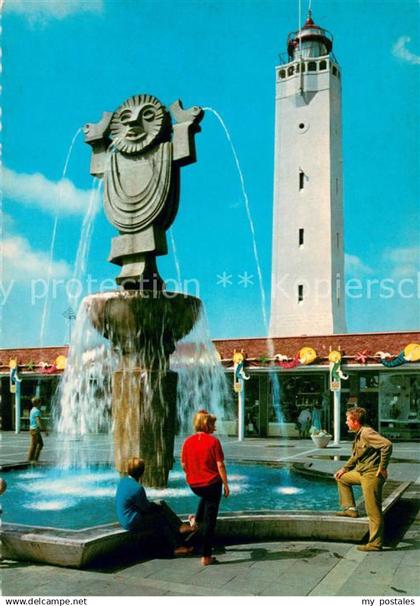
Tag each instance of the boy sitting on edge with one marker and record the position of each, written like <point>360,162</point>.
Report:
<point>136,512</point>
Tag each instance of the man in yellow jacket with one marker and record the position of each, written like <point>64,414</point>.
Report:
<point>366,467</point>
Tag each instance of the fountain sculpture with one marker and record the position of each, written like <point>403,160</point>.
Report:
<point>138,151</point>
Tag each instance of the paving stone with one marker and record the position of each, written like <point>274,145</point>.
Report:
<point>283,590</point>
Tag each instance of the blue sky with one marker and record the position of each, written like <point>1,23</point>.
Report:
<point>65,62</point>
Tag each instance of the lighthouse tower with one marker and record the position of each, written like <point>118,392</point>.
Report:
<point>307,294</point>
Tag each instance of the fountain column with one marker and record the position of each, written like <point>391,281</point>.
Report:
<point>141,397</point>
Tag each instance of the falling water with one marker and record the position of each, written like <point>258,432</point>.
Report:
<point>176,260</point>
<point>85,240</point>
<point>272,374</point>
<point>249,216</point>
<point>83,401</point>
<point>202,383</point>
<point>52,246</point>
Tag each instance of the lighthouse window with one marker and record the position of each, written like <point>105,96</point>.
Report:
<point>300,293</point>
<point>282,73</point>
<point>301,236</point>
<point>301,179</point>
<point>311,66</point>
<point>322,65</point>
<point>290,70</point>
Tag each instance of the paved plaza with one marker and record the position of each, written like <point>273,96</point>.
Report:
<point>280,568</point>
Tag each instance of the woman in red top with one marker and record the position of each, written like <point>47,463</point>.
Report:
<point>202,460</point>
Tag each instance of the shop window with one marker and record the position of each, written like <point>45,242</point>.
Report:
<point>252,407</point>
<point>304,403</point>
<point>399,405</point>
<point>361,389</point>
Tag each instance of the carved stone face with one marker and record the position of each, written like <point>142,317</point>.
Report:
<point>138,123</point>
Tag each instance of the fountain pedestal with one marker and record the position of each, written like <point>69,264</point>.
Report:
<point>144,419</point>
<point>144,327</point>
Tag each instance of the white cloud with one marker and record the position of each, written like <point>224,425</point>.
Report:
<point>403,255</point>
<point>401,51</point>
<point>405,261</point>
<point>43,10</point>
<point>355,266</point>
<point>57,197</point>
<point>21,262</point>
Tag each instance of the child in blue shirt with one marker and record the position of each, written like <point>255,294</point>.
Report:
<point>136,512</point>
<point>35,428</point>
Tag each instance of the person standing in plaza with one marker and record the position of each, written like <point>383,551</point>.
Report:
<point>202,460</point>
<point>367,467</point>
<point>35,428</point>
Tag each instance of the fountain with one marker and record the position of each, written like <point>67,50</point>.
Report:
<point>138,152</point>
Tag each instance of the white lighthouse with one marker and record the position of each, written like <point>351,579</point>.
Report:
<point>307,294</point>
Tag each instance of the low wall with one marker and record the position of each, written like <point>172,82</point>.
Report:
<point>84,548</point>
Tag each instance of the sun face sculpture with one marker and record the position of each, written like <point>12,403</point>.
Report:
<point>138,150</point>
<point>138,124</point>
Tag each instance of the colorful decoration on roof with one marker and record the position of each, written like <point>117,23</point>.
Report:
<point>15,379</point>
<point>305,356</point>
<point>60,362</point>
<point>238,370</point>
<point>362,356</point>
<point>48,369</point>
<point>285,362</point>
<point>411,353</point>
<point>336,374</point>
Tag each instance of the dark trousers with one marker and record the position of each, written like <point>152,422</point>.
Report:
<point>164,525</point>
<point>36,446</point>
<point>207,511</point>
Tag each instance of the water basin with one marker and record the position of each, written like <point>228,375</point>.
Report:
<point>76,499</point>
